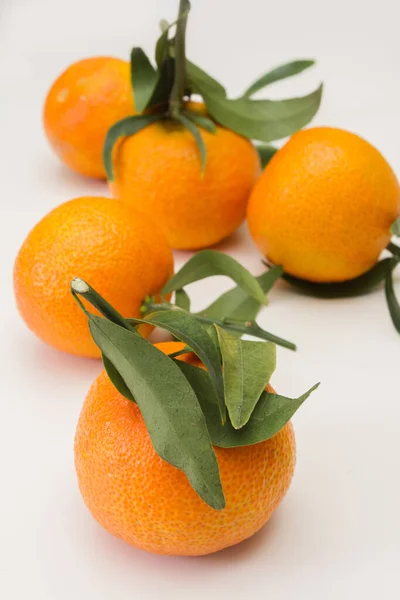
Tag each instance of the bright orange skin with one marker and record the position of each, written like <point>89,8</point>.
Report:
<point>82,105</point>
<point>118,251</point>
<point>148,503</point>
<point>324,206</point>
<point>158,170</point>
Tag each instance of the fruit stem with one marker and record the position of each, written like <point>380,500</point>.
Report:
<point>178,89</point>
<point>248,328</point>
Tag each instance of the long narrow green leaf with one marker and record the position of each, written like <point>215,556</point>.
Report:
<point>123,128</point>
<point>143,77</point>
<point>163,87</point>
<point>201,121</point>
<point>199,80</point>
<point>116,379</point>
<point>210,262</point>
<point>237,304</point>
<point>186,328</point>
<point>392,302</point>
<point>248,367</point>
<point>277,74</point>
<point>190,126</point>
<point>271,413</point>
<point>354,287</point>
<point>169,406</point>
<point>182,300</point>
<point>264,120</point>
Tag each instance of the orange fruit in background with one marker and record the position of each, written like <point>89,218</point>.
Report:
<point>324,206</point>
<point>158,170</point>
<point>118,251</point>
<point>81,106</point>
<point>145,501</point>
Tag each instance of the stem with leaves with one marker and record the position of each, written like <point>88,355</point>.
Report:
<point>178,89</point>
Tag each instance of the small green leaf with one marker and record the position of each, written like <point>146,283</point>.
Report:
<point>248,367</point>
<point>168,404</point>
<point>346,289</point>
<point>237,304</point>
<point>252,328</point>
<point>123,128</point>
<point>182,300</point>
<point>266,152</point>
<point>199,80</point>
<point>201,121</point>
<point>197,137</point>
<point>186,328</point>
<point>143,77</point>
<point>277,74</point>
<point>395,228</point>
<point>164,25</point>
<point>271,413</point>
<point>207,263</point>
<point>392,302</point>
<point>116,379</point>
<point>264,120</point>
<point>161,52</point>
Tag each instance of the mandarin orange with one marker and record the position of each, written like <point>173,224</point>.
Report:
<point>148,503</point>
<point>116,249</point>
<point>82,104</point>
<point>324,206</point>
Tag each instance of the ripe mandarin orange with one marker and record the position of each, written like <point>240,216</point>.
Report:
<point>118,251</point>
<point>82,104</point>
<point>158,170</point>
<point>324,206</point>
<point>148,503</point>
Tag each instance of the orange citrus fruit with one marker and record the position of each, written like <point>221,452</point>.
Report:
<point>324,206</point>
<point>158,170</point>
<point>117,250</point>
<point>148,503</point>
<point>82,105</point>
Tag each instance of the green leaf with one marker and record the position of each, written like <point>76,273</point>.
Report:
<point>277,74</point>
<point>168,405</point>
<point>264,120</point>
<point>186,328</point>
<point>248,367</point>
<point>207,263</point>
<point>123,128</point>
<point>143,77</point>
<point>395,228</point>
<point>182,300</point>
<point>116,379</point>
<point>252,328</point>
<point>201,121</point>
<point>266,152</point>
<point>199,80</point>
<point>164,25</point>
<point>394,249</point>
<point>197,136</point>
<point>161,52</point>
<point>392,302</point>
<point>271,413</point>
<point>163,87</point>
<point>237,304</point>
<point>346,289</point>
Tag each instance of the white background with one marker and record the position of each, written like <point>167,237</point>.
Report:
<point>337,534</point>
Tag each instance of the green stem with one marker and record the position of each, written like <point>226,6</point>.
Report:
<point>393,248</point>
<point>178,89</point>
<point>248,328</point>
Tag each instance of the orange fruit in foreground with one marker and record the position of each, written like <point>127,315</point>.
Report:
<point>118,251</point>
<point>158,170</point>
<point>324,206</point>
<point>148,503</point>
<point>82,105</point>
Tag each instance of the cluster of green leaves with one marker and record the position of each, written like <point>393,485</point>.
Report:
<point>188,410</point>
<point>160,92</point>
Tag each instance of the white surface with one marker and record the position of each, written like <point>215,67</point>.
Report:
<point>337,534</point>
